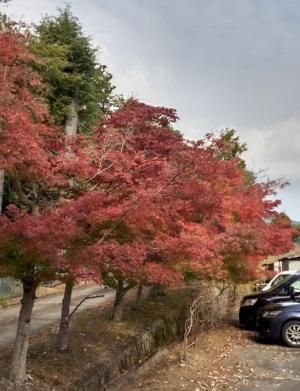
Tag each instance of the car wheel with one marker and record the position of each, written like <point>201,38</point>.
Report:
<point>291,333</point>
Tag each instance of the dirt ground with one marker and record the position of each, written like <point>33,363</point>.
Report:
<point>207,365</point>
<point>225,359</point>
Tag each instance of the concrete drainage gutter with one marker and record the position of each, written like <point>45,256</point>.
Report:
<point>133,373</point>
<point>117,370</point>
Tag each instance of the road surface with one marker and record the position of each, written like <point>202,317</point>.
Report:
<point>272,366</point>
<point>47,309</point>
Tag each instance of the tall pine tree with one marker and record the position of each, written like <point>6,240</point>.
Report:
<point>80,88</point>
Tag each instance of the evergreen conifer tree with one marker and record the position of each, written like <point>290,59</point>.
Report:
<point>80,88</point>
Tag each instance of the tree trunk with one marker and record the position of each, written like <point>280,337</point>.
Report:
<point>72,119</point>
<point>160,290</point>
<point>1,188</point>
<point>138,296</point>
<point>71,125</point>
<point>152,292</point>
<point>156,290</point>
<point>36,210</point>
<point>18,366</point>
<point>62,341</point>
<point>117,313</point>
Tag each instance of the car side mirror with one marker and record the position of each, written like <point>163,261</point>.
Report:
<point>292,291</point>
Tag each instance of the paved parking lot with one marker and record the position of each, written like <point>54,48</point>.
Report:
<point>272,366</point>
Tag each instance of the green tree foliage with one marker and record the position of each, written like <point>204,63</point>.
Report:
<point>233,149</point>
<point>296,227</point>
<point>70,66</point>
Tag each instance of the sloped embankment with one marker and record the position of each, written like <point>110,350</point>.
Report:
<point>101,350</point>
<point>161,321</point>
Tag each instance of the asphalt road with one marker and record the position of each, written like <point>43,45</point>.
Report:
<point>46,311</point>
<point>271,366</point>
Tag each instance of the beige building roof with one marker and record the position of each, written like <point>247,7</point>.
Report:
<point>274,258</point>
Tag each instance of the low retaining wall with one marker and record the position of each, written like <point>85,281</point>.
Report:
<point>105,373</point>
<point>10,287</point>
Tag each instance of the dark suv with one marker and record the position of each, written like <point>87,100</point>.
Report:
<point>287,290</point>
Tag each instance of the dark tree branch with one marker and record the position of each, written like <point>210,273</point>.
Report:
<point>82,301</point>
<point>21,194</point>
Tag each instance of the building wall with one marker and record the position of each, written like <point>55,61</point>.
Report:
<point>294,265</point>
<point>10,287</point>
<point>277,266</point>
<point>285,265</point>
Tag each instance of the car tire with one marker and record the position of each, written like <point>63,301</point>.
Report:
<point>291,333</point>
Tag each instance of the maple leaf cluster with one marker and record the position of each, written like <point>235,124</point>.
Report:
<point>24,129</point>
<point>134,200</point>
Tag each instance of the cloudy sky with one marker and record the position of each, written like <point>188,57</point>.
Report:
<point>220,63</point>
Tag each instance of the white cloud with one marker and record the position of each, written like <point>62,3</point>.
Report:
<point>277,150</point>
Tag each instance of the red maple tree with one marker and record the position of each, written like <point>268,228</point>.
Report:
<point>174,205</point>
<point>134,204</point>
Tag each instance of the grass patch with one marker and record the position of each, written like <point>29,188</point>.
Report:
<point>3,301</point>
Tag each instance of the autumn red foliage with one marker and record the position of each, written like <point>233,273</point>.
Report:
<point>24,129</point>
<point>135,203</point>
<point>172,205</point>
